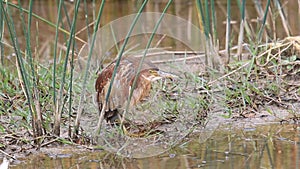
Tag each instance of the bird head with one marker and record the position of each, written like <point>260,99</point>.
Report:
<point>156,74</point>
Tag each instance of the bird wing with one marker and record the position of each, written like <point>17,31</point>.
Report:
<point>120,87</point>
<point>102,81</point>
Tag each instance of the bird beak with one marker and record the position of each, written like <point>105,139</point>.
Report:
<point>166,75</point>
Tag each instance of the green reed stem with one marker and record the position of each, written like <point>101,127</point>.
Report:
<point>56,128</point>
<point>228,29</point>
<point>71,84</point>
<point>263,22</point>
<point>145,53</point>
<point>20,63</point>
<point>86,19</point>
<point>114,37</point>
<point>27,34</point>
<point>119,57</point>
<point>123,48</point>
<point>242,8</point>
<point>214,22</point>
<point>242,27</point>
<point>44,20</point>
<point>1,34</point>
<point>207,17</point>
<point>201,11</point>
<point>84,82</point>
<point>55,55</point>
<point>39,127</point>
<point>284,19</point>
<point>68,19</point>
<point>67,15</point>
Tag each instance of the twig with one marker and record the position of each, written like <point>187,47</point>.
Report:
<point>5,153</point>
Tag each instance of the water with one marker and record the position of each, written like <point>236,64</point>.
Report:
<point>43,34</point>
<point>262,146</point>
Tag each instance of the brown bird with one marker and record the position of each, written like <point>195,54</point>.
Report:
<point>122,85</point>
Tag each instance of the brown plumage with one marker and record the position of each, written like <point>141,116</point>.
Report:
<point>122,84</point>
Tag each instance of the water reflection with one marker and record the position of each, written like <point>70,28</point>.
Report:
<point>43,35</point>
<point>267,146</point>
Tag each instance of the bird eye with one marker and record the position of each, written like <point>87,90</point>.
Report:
<point>153,71</point>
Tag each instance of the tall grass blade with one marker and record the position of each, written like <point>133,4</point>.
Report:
<point>68,20</point>
<point>119,57</point>
<point>55,103</point>
<point>1,34</point>
<point>34,75</point>
<point>55,53</point>
<point>57,118</point>
<point>45,21</point>
<point>242,27</point>
<point>201,18</point>
<point>284,19</point>
<point>202,24</point>
<point>20,63</point>
<point>263,22</point>
<point>228,30</point>
<point>87,20</point>
<point>35,97</point>
<point>214,22</point>
<point>207,18</point>
<point>144,55</point>
<point>66,15</point>
<point>71,85</point>
<point>84,82</point>
<point>247,27</point>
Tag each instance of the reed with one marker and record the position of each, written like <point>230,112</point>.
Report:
<point>119,57</point>
<point>22,69</point>
<point>1,34</point>
<point>145,53</point>
<point>263,21</point>
<point>84,82</point>
<point>228,31</point>
<point>70,42</point>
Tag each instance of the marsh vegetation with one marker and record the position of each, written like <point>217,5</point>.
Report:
<point>246,65</point>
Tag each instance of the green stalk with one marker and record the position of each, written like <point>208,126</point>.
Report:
<point>242,27</point>
<point>86,20</point>
<point>263,22</point>
<point>202,19</point>
<point>214,22</point>
<point>123,48</point>
<point>84,82</point>
<point>56,127</point>
<point>207,21</point>
<point>55,55</point>
<point>45,21</point>
<point>284,19</point>
<point>114,37</point>
<point>34,75</point>
<point>67,15</point>
<point>20,63</point>
<point>228,27</point>
<point>71,85</point>
<point>200,10</point>
<point>242,8</point>
<point>37,118</point>
<point>119,57</point>
<point>68,19</point>
<point>1,33</point>
<point>144,55</point>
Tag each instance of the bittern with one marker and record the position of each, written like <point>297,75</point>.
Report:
<point>122,85</point>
